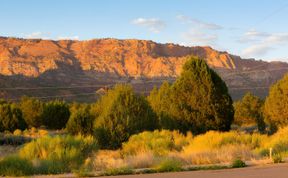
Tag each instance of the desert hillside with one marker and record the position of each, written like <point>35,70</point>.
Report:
<point>74,68</point>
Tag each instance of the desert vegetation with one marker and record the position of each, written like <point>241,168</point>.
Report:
<point>190,124</point>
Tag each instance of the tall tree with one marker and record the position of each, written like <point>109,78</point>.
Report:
<point>198,101</point>
<point>276,104</point>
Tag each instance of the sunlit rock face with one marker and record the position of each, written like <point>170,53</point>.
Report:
<point>111,60</point>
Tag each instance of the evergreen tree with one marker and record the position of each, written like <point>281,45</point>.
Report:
<point>198,101</point>
<point>276,104</point>
<point>32,110</point>
<point>81,120</point>
<point>11,118</point>
<point>55,114</point>
<point>248,111</point>
<point>122,113</point>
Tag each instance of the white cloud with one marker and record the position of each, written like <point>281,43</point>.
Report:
<point>265,43</point>
<point>199,23</point>
<point>253,36</point>
<point>197,37</point>
<point>256,50</point>
<point>38,35</point>
<point>153,24</point>
<point>68,38</point>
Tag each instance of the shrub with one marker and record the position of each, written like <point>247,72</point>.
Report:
<point>55,114</point>
<point>169,165</point>
<point>160,101</point>
<point>249,111</point>
<point>80,121</point>
<point>118,171</point>
<point>67,152</point>
<point>198,100</point>
<point>15,166</point>
<point>32,110</point>
<point>17,132</point>
<point>11,118</point>
<point>238,163</point>
<point>160,143</point>
<point>122,113</point>
<point>278,142</point>
<point>275,108</point>
<point>277,158</point>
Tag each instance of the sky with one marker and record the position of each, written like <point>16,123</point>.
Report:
<point>248,28</point>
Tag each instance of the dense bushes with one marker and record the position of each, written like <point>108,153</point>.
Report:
<point>55,114</point>
<point>249,111</point>
<point>198,101</point>
<point>122,113</point>
<point>32,110</point>
<point>81,120</point>
<point>11,117</point>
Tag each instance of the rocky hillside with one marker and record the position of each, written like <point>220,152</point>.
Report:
<point>76,69</point>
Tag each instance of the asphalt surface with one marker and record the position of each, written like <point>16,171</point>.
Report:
<point>266,171</point>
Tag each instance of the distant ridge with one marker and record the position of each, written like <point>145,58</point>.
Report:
<point>144,63</point>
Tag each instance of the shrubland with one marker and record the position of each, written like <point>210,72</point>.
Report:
<point>178,125</point>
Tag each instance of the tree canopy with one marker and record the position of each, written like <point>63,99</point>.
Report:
<point>198,100</point>
<point>276,104</point>
<point>121,113</point>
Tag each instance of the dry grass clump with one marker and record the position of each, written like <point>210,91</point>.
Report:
<point>216,147</point>
<point>107,159</point>
<point>278,142</point>
<point>159,143</point>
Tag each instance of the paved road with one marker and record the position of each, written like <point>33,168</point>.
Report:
<point>267,171</point>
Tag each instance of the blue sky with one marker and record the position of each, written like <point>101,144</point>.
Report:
<point>249,28</point>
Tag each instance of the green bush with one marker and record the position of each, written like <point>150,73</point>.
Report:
<point>198,100</point>
<point>160,143</point>
<point>59,153</point>
<point>121,113</point>
<point>80,121</point>
<point>15,166</point>
<point>32,110</point>
<point>248,111</point>
<point>169,165</point>
<point>277,158</point>
<point>55,114</point>
<point>118,171</point>
<point>238,163</point>
<point>11,118</point>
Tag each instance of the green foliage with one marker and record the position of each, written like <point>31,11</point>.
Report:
<point>198,101</point>
<point>80,121</point>
<point>15,166</point>
<point>160,101</point>
<point>248,111</point>
<point>122,113</point>
<point>238,163</point>
<point>58,154</point>
<point>277,158</point>
<point>160,143</point>
<point>276,104</point>
<point>169,165</point>
<point>11,118</point>
<point>118,171</point>
<point>32,110</point>
<point>55,114</point>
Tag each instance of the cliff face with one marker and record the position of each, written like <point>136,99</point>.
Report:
<point>74,63</point>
